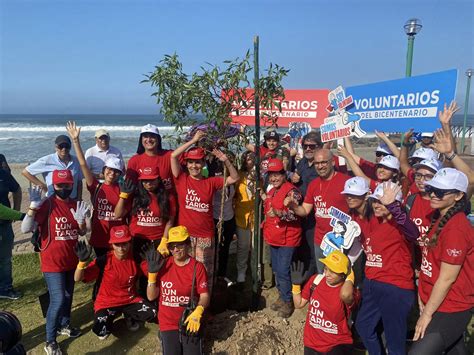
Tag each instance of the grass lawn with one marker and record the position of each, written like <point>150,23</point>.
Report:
<point>29,280</point>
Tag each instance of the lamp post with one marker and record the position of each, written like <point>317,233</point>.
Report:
<point>412,27</point>
<point>469,73</point>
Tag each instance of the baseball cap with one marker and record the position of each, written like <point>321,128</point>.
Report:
<point>149,173</point>
<point>62,139</point>
<point>62,177</point>
<point>383,148</point>
<point>101,132</point>
<point>195,153</point>
<point>378,192</point>
<point>113,163</point>
<point>449,179</point>
<point>432,164</point>
<point>427,134</point>
<point>390,162</point>
<point>271,134</point>
<point>275,165</point>
<point>178,234</point>
<point>356,186</point>
<point>119,234</point>
<point>150,128</point>
<point>337,262</point>
<point>425,153</point>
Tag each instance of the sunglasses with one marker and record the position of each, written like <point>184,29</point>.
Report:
<point>173,246</point>
<point>439,193</point>
<point>310,146</point>
<point>426,177</point>
<point>381,154</point>
<point>64,146</point>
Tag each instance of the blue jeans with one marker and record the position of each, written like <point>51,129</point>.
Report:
<point>61,288</point>
<point>281,265</point>
<point>390,303</point>
<point>6,246</point>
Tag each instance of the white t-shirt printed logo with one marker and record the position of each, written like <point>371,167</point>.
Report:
<point>147,219</point>
<point>454,252</point>
<point>169,295</point>
<point>373,260</point>
<point>193,202</point>
<point>105,210</point>
<point>426,266</point>
<point>320,207</point>
<point>63,229</point>
<point>317,321</point>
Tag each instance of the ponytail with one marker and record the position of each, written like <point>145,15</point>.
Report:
<point>457,207</point>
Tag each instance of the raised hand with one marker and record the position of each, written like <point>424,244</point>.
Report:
<point>298,275</point>
<point>342,151</point>
<point>219,155</point>
<point>442,142</point>
<point>390,192</point>
<point>127,186</point>
<point>447,113</point>
<point>34,193</point>
<point>83,251</point>
<point>81,212</point>
<point>154,259</point>
<point>73,130</point>
<point>408,138</point>
<point>197,136</point>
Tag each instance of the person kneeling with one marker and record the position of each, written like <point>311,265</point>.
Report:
<point>331,298</point>
<point>117,273</point>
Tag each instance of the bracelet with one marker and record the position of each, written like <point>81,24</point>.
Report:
<point>451,157</point>
<point>123,195</point>
<point>296,289</point>
<point>151,284</point>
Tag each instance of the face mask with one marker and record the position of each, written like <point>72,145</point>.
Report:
<point>63,194</point>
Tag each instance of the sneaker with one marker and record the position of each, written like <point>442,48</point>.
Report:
<point>132,325</point>
<point>286,310</point>
<point>103,337</point>
<point>11,295</point>
<point>277,304</point>
<point>52,348</point>
<point>69,331</point>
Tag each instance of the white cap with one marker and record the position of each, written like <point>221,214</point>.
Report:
<point>449,179</point>
<point>390,162</point>
<point>150,128</point>
<point>425,153</point>
<point>434,165</point>
<point>113,163</point>
<point>383,148</point>
<point>378,192</point>
<point>427,134</point>
<point>356,186</point>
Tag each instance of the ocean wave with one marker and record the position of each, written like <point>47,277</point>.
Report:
<point>83,128</point>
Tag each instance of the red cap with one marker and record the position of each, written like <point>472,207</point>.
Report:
<point>195,153</point>
<point>275,165</point>
<point>119,234</point>
<point>149,173</point>
<point>62,177</point>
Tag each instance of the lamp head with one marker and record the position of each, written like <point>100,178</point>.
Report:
<point>469,72</point>
<point>412,26</point>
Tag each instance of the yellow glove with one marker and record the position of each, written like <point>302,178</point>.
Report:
<point>82,265</point>
<point>194,320</point>
<point>296,289</point>
<point>152,277</point>
<point>163,247</point>
<point>351,277</point>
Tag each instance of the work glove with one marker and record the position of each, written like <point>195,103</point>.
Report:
<point>81,212</point>
<point>154,261</point>
<point>163,247</point>
<point>127,187</point>
<point>35,197</point>
<point>83,252</point>
<point>298,276</point>
<point>194,320</point>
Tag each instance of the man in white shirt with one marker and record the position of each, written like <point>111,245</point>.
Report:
<point>96,155</point>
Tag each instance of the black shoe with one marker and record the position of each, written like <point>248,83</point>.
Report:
<point>11,295</point>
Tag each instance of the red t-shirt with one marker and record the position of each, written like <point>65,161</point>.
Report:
<point>411,178</point>
<point>421,213</point>
<point>149,224</point>
<point>323,194</point>
<point>175,289</point>
<point>103,217</point>
<point>388,253</point>
<point>59,254</point>
<point>117,287</point>
<point>162,160</point>
<point>326,322</point>
<point>368,168</point>
<point>455,247</point>
<point>195,203</point>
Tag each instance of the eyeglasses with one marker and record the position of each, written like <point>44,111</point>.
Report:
<point>439,193</point>
<point>173,246</point>
<point>381,154</point>
<point>310,146</point>
<point>63,146</point>
<point>426,177</point>
<point>324,162</point>
<point>103,138</point>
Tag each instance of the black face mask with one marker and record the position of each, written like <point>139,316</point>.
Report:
<point>63,194</point>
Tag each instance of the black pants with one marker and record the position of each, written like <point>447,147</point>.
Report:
<point>342,349</point>
<point>443,334</point>
<point>171,344</point>
<point>142,311</point>
<point>305,252</point>
<point>228,231</point>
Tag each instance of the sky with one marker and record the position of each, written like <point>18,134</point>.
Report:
<point>89,56</point>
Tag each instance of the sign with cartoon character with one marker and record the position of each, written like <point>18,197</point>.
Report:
<point>344,231</point>
<point>342,123</point>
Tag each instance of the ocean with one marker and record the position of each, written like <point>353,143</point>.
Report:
<point>25,138</point>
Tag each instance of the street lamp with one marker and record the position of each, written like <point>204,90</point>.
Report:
<point>412,27</point>
<point>469,73</point>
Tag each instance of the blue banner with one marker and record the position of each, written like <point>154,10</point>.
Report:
<point>398,105</point>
